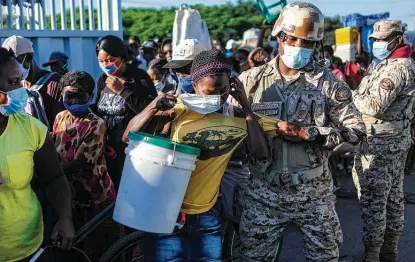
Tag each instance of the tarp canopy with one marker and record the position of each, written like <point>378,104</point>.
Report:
<point>357,20</point>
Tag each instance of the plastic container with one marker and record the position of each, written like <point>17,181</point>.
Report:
<point>153,183</point>
<point>346,52</point>
<point>346,36</point>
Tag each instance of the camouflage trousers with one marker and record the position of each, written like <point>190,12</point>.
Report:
<point>266,215</point>
<point>379,180</point>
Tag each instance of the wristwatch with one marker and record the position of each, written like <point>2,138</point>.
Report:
<point>312,133</point>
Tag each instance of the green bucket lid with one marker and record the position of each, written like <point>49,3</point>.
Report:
<point>164,143</point>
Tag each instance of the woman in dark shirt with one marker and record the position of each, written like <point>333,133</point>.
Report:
<point>123,92</point>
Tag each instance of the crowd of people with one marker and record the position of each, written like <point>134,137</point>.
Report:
<point>286,114</point>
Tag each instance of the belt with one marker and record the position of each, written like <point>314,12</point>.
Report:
<point>299,177</point>
<point>290,178</point>
<point>387,128</point>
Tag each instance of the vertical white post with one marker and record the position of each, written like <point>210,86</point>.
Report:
<point>99,13</point>
<point>106,14</point>
<point>37,16</point>
<point>20,24</point>
<point>73,13</point>
<point>52,15</point>
<point>9,15</point>
<point>1,17</point>
<point>32,14</point>
<point>91,15</point>
<point>42,8</point>
<point>82,15</point>
<point>63,15</point>
<point>116,15</point>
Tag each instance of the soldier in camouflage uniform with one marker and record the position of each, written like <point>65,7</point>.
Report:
<point>386,100</point>
<point>316,116</point>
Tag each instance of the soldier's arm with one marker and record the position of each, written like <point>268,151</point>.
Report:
<point>346,121</point>
<point>381,92</point>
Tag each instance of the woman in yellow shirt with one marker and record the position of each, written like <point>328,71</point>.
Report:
<point>26,148</point>
<point>201,120</point>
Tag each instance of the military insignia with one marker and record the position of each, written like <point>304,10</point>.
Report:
<point>387,84</point>
<point>343,94</point>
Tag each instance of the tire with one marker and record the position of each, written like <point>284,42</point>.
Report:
<point>116,251</point>
<point>231,242</point>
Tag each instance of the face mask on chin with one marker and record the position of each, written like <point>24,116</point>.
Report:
<point>78,110</point>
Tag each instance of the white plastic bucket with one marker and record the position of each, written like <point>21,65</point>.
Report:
<point>153,183</point>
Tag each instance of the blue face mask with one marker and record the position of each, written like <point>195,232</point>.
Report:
<point>185,84</point>
<point>380,49</point>
<point>110,69</point>
<point>296,57</point>
<point>17,100</point>
<point>77,110</point>
<point>159,86</point>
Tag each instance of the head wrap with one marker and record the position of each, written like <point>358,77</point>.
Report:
<point>210,63</point>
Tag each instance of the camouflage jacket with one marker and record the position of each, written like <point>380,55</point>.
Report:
<point>311,98</point>
<point>386,100</point>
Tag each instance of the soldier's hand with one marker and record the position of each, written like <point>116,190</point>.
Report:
<point>292,130</point>
<point>238,92</point>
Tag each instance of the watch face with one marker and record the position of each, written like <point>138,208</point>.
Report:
<point>312,132</point>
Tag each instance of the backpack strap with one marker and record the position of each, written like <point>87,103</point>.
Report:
<point>39,84</point>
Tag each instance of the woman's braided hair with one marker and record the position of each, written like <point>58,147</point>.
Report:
<point>210,63</point>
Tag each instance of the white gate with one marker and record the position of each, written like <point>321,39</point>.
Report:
<point>70,26</point>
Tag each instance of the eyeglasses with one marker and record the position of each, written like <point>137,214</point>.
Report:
<point>292,40</point>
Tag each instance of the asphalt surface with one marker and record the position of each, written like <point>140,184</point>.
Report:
<point>352,248</point>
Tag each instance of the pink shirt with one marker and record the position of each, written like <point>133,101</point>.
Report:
<point>339,74</point>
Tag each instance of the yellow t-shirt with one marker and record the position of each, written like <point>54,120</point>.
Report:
<point>21,222</point>
<point>217,136</point>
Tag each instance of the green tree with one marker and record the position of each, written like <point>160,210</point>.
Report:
<point>228,20</point>
<point>224,21</point>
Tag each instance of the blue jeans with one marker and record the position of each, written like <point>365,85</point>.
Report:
<point>200,239</point>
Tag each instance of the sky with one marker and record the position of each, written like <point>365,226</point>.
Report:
<point>399,9</point>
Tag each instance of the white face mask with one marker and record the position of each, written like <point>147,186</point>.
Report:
<point>203,104</point>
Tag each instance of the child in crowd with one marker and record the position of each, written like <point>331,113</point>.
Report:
<point>79,137</point>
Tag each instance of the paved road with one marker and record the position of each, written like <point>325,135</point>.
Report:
<point>352,248</point>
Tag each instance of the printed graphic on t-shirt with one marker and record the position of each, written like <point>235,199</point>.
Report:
<point>214,141</point>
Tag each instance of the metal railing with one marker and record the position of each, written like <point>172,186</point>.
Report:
<point>82,15</point>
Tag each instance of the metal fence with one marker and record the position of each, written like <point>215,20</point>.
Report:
<point>91,15</point>
<point>69,26</point>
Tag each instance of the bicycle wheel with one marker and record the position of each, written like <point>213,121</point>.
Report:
<point>231,242</point>
<point>124,248</point>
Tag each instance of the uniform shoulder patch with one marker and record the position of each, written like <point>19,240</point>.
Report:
<point>387,84</point>
<point>343,94</point>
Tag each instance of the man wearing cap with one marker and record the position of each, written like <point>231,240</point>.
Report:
<point>58,63</point>
<point>181,63</point>
<point>44,95</point>
<point>316,115</point>
<point>386,100</point>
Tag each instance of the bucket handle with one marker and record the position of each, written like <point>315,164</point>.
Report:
<point>170,161</point>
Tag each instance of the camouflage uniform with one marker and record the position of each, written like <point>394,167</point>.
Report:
<point>386,100</point>
<point>295,186</point>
